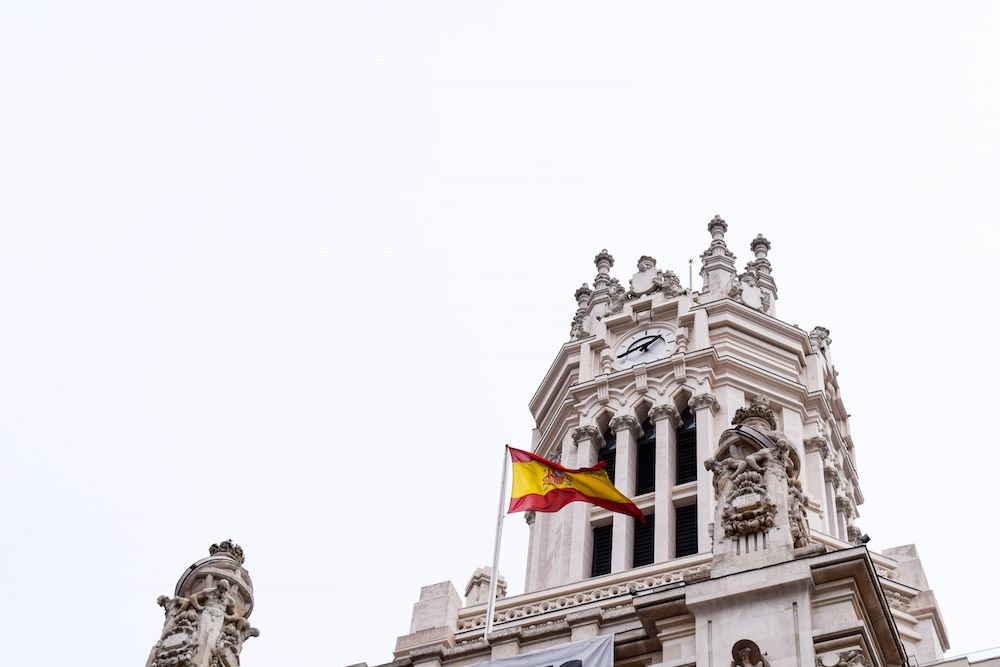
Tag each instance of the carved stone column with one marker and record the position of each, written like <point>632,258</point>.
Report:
<point>817,449</point>
<point>666,419</point>
<point>627,434</point>
<point>704,406</point>
<point>206,620</point>
<point>588,440</point>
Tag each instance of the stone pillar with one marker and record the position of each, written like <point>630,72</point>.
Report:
<point>587,441</point>
<point>769,291</point>
<point>206,620</point>
<point>718,265</point>
<point>627,434</point>
<point>666,419</point>
<point>534,552</point>
<point>815,448</point>
<point>705,406</point>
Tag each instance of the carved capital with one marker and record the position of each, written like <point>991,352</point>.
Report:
<point>588,433</point>
<point>658,412</point>
<point>854,657</point>
<point>529,518</point>
<point>818,443</point>
<point>701,401</point>
<point>626,422</point>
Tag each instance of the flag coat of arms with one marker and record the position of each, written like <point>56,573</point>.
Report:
<point>541,485</point>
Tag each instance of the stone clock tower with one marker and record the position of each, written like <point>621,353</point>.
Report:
<point>727,427</point>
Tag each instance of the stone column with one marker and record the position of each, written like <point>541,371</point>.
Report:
<point>534,552</point>
<point>666,419</point>
<point>206,620</point>
<point>587,441</point>
<point>705,406</point>
<point>627,434</point>
<point>814,475</point>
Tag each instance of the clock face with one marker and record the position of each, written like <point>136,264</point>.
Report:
<point>643,347</point>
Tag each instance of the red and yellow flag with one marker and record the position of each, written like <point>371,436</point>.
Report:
<point>540,485</point>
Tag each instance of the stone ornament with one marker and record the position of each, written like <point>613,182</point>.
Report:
<point>701,401</point>
<point>626,422</point>
<point>584,433</point>
<point>477,590</point>
<point>205,623</point>
<point>757,414</point>
<point>819,338</point>
<point>658,412</point>
<point>747,654</point>
<point>851,658</point>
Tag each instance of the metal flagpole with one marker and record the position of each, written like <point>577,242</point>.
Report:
<point>496,545</point>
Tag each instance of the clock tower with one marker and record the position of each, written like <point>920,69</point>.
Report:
<point>727,428</point>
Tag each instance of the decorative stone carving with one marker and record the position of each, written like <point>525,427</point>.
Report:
<point>851,658</point>
<point>205,624</point>
<point>529,517</point>
<point>747,654</point>
<point>701,401</point>
<point>604,261</point>
<point>658,412</point>
<point>647,280</point>
<point>797,518</point>
<point>747,507</point>
<point>819,338</point>
<point>897,600</point>
<point>585,433</point>
<point>623,422</point>
<point>854,534</point>
<point>229,548</point>
<point>617,296</point>
<point>757,415</point>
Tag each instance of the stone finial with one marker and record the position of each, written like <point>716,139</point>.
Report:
<point>759,246</point>
<point>646,263</point>
<point>717,227</point>
<point>477,591</point>
<point>582,295</point>
<point>718,266</point>
<point>604,261</point>
<point>227,548</point>
<point>757,414</point>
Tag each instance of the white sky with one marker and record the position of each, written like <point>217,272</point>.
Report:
<point>290,273</point>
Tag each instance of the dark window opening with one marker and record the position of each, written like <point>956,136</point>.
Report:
<point>645,459</point>
<point>607,453</point>
<point>687,443</point>
<point>686,530</point>
<point>601,563</point>
<point>642,547</point>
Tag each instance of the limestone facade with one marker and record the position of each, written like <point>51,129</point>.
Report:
<point>774,570</point>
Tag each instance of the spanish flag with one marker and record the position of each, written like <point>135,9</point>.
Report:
<point>540,485</point>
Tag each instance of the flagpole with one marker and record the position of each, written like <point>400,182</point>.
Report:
<point>491,604</point>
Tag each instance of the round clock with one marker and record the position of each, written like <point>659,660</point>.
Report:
<point>643,347</point>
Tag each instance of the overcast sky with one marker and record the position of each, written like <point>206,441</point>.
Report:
<point>290,274</point>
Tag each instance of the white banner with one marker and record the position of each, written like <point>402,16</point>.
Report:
<point>599,652</point>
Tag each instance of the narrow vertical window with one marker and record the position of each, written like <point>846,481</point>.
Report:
<point>607,453</point>
<point>686,530</point>
<point>601,563</point>
<point>645,460</point>
<point>687,442</point>
<point>642,547</point>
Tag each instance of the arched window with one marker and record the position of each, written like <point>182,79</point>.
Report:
<point>645,460</point>
<point>687,454</point>
<point>607,453</point>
